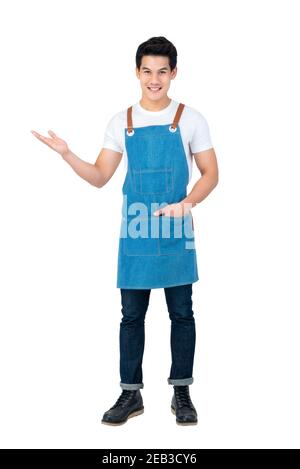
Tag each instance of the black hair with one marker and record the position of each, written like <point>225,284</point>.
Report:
<point>157,46</point>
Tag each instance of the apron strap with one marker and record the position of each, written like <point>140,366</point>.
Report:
<point>177,116</point>
<point>173,126</point>
<point>129,119</point>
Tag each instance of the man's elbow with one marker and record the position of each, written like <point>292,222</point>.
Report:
<point>213,178</point>
<point>100,184</point>
<point>101,179</point>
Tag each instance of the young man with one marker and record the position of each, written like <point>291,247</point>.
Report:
<point>157,137</point>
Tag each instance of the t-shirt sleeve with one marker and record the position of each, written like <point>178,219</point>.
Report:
<point>201,139</point>
<point>110,139</point>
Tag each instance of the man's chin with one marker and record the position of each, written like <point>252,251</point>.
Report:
<point>153,97</point>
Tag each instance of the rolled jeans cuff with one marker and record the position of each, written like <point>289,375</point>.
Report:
<point>181,382</point>
<point>132,387</point>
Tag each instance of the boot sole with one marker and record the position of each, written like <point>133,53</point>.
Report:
<point>133,414</point>
<point>183,423</point>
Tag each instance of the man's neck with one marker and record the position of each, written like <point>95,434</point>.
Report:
<point>149,105</point>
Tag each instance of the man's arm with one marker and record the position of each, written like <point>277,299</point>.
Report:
<point>208,167</point>
<point>99,173</point>
<point>107,163</point>
<point>96,174</point>
<point>206,162</point>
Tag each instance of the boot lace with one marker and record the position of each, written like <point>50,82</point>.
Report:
<point>182,396</point>
<point>123,399</point>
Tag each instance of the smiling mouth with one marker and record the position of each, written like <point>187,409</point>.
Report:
<point>154,90</point>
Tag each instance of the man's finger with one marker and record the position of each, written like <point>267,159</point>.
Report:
<point>158,212</point>
<point>43,139</point>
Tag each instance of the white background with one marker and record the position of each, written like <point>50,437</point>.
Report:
<point>69,66</point>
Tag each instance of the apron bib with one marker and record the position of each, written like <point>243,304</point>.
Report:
<point>155,251</point>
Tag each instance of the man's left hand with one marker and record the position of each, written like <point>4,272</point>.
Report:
<point>174,210</point>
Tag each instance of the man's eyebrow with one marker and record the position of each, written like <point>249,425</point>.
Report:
<point>146,68</point>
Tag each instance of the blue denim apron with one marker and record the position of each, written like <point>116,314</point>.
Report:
<point>155,251</point>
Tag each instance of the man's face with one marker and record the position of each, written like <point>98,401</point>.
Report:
<point>155,76</point>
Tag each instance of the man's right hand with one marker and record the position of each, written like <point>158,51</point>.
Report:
<point>56,143</point>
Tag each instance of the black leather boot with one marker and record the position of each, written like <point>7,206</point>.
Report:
<point>129,404</point>
<point>183,407</point>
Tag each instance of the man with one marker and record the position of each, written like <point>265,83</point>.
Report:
<point>157,138</point>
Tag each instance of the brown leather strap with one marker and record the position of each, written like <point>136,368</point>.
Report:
<point>177,116</point>
<point>129,119</point>
<point>174,124</point>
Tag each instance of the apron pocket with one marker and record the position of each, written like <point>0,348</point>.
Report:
<point>176,235</point>
<point>139,241</point>
<point>153,181</point>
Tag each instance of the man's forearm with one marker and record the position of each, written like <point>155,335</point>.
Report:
<point>85,170</point>
<point>201,189</point>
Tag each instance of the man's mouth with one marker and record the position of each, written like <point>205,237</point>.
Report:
<point>154,89</point>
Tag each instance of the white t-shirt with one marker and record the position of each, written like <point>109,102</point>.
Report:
<point>193,127</point>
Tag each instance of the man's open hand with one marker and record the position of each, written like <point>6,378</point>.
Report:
<point>174,210</point>
<point>56,143</point>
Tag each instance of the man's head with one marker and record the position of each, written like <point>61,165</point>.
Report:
<point>156,61</point>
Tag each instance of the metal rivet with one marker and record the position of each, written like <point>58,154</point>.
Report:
<point>130,133</point>
<point>171,129</point>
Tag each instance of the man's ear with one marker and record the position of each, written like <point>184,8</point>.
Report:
<point>137,72</point>
<point>174,73</point>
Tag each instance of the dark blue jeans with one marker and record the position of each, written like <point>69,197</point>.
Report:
<point>132,335</point>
